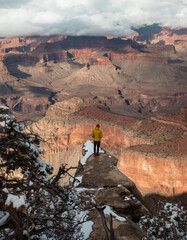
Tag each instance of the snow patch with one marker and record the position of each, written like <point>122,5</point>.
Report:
<point>49,223</point>
<point>127,198</point>
<point>89,149</point>
<point>4,108</point>
<point>5,190</point>
<point>81,189</point>
<point>77,181</point>
<point>108,211</point>
<point>16,201</point>
<point>3,217</point>
<point>86,227</point>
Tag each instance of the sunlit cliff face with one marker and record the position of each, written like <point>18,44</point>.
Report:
<point>153,174</point>
<point>150,153</point>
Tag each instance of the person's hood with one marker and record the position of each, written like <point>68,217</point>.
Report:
<point>96,128</point>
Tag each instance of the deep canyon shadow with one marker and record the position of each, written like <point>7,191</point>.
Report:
<point>6,89</point>
<point>40,91</point>
<point>14,71</point>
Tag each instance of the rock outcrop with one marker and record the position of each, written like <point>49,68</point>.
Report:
<point>171,35</point>
<point>152,57</point>
<point>3,68</point>
<point>5,77</point>
<point>155,48</point>
<point>181,42</point>
<point>103,186</point>
<point>164,36</point>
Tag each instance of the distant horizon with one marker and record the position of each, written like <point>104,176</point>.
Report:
<point>117,36</point>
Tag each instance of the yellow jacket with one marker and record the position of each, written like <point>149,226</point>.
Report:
<point>97,134</point>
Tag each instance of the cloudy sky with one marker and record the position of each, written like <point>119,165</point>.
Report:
<point>87,17</point>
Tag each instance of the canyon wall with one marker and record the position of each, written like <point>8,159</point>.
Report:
<point>152,174</point>
<point>145,148</point>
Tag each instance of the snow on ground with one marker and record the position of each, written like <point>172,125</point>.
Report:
<point>16,201</point>
<point>108,211</point>
<point>77,181</point>
<point>3,218</point>
<point>81,189</point>
<point>89,149</point>
<point>86,227</point>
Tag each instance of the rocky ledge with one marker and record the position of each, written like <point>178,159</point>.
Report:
<point>107,191</point>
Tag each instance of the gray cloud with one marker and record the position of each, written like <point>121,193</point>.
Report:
<point>87,17</point>
<point>13,3</point>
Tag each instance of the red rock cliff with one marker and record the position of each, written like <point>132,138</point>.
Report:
<point>145,148</point>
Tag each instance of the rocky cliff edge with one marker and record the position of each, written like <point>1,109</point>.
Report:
<point>105,190</point>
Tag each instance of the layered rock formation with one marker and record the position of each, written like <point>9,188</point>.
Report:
<point>169,49</point>
<point>162,35</point>
<point>170,36</point>
<point>140,145</point>
<point>152,57</point>
<point>133,78</point>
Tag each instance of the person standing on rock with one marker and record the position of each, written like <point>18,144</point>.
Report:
<point>97,135</point>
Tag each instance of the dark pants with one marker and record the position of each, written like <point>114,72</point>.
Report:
<point>96,145</point>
